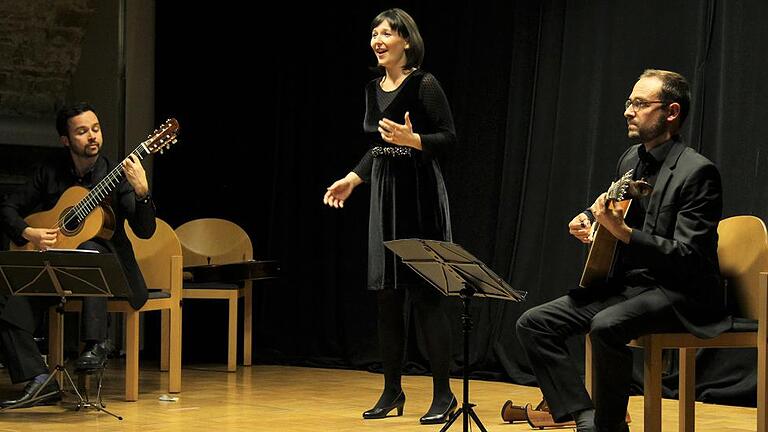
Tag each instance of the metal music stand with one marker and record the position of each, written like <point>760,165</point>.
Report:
<point>63,274</point>
<point>455,272</point>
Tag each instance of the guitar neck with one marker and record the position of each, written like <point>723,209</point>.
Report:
<point>70,219</point>
<point>108,184</point>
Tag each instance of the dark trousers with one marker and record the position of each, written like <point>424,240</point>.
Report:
<point>20,353</point>
<point>93,317</point>
<point>611,321</point>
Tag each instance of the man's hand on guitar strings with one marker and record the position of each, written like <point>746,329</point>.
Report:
<point>42,238</point>
<point>612,218</point>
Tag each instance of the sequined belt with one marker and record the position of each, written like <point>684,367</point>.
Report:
<point>399,151</point>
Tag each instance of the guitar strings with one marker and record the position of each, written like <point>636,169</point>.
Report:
<point>84,207</point>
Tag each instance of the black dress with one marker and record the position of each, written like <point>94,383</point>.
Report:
<point>408,195</point>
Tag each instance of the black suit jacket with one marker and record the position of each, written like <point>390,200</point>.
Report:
<point>678,241</point>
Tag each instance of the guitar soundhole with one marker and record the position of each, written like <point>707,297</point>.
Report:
<point>71,224</point>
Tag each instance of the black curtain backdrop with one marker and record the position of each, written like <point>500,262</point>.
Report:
<point>271,107</point>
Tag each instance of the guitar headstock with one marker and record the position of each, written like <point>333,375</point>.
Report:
<point>163,136</point>
<point>625,188</point>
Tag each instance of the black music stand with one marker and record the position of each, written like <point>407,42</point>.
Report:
<point>455,272</point>
<point>70,273</point>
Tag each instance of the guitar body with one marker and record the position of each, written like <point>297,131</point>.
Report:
<point>602,251</point>
<point>100,222</point>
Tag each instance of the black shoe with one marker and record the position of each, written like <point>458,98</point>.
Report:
<point>47,396</point>
<point>378,412</point>
<point>94,358</point>
<point>440,417</point>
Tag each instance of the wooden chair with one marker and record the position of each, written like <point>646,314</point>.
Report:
<point>160,261</point>
<point>743,255</point>
<point>218,241</point>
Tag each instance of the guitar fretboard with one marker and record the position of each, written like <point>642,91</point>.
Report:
<point>98,193</point>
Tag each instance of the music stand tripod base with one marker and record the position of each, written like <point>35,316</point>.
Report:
<point>467,408</point>
<point>84,401</point>
<point>455,272</point>
<point>63,274</point>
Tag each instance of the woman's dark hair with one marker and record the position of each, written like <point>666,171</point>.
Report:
<point>67,112</point>
<point>406,27</point>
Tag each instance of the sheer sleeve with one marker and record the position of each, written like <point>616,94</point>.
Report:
<point>363,168</point>
<point>443,134</point>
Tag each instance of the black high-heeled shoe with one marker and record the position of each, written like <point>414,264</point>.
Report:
<point>441,417</point>
<point>378,412</point>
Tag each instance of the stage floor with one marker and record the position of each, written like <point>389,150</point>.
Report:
<point>280,398</point>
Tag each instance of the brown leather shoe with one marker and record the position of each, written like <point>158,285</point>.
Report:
<point>513,413</point>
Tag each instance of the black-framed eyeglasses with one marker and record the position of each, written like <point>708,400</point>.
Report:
<point>639,104</point>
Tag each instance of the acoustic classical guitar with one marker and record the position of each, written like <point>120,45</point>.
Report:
<point>81,214</point>
<point>603,248</point>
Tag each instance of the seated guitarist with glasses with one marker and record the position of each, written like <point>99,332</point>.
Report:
<point>79,164</point>
<point>665,276</point>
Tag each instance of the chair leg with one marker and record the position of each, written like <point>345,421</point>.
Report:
<point>762,387</point>
<point>687,398</point>
<point>588,375</point>
<point>131,356</point>
<point>165,329</point>
<point>174,379</point>
<point>247,323</point>
<point>652,386</point>
<point>232,336</point>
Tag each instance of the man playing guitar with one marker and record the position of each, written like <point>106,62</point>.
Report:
<point>80,164</point>
<point>666,275</point>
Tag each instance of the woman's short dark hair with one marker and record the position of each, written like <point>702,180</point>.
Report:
<point>406,27</point>
<point>67,112</point>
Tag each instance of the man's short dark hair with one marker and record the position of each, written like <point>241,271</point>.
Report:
<point>67,112</point>
<point>674,88</point>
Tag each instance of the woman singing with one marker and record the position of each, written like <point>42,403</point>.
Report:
<point>408,123</point>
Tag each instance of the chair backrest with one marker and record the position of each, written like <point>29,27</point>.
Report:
<point>155,254</point>
<point>213,241</point>
<point>743,253</point>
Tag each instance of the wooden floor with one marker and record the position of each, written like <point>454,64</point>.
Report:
<point>279,398</point>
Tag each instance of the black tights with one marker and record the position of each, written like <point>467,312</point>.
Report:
<point>434,328</point>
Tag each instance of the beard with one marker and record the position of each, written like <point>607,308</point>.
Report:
<point>87,151</point>
<point>649,133</point>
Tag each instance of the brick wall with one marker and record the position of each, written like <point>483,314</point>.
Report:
<point>40,46</point>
